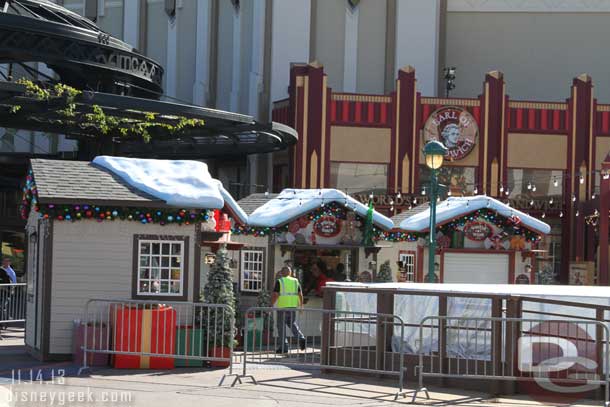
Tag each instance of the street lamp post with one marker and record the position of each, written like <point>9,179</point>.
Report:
<point>435,153</point>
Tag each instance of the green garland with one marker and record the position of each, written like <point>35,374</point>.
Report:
<point>104,123</point>
<point>107,213</point>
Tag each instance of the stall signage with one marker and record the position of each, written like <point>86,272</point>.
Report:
<point>455,127</point>
<point>477,231</point>
<point>327,226</point>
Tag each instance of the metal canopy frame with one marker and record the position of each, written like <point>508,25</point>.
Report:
<point>224,133</point>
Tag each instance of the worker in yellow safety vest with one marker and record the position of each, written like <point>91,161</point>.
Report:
<point>287,297</point>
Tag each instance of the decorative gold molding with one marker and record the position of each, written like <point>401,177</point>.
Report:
<point>305,122</point>
<point>538,105</point>
<point>603,108</point>
<point>313,169</point>
<point>323,130</point>
<point>397,134</point>
<point>486,138</point>
<point>405,173</point>
<point>494,177</point>
<point>361,98</point>
<point>450,102</point>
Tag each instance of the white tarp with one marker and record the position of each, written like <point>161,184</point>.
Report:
<point>413,302</point>
<point>180,183</point>
<point>455,207</point>
<point>292,203</point>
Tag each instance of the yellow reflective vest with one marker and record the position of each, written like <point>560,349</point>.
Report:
<point>289,293</point>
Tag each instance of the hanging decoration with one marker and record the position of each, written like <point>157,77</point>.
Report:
<point>75,212</point>
<point>257,231</point>
<point>512,223</point>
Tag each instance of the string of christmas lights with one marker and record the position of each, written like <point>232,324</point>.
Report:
<point>76,212</point>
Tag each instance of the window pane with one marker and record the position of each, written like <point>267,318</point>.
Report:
<point>461,181</point>
<point>144,273</point>
<point>144,248</point>
<point>175,287</point>
<point>176,248</point>
<point>156,248</point>
<point>175,262</point>
<point>165,248</point>
<point>164,286</point>
<point>165,262</point>
<point>175,274</point>
<point>144,261</point>
<point>358,177</point>
<point>155,273</point>
<point>143,288</point>
<point>165,274</point>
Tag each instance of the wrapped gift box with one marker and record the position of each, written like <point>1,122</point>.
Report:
<point>189,342</point>
<point>147,330</point>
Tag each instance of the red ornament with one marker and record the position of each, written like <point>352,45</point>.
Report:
<point>60,217</point>
<point>88,214</point>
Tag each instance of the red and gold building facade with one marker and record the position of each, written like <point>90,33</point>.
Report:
<point>544,158</point>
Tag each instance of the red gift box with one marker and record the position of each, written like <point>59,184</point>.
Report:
<point>147,331</point>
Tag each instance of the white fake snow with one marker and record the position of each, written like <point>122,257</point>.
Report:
<point>180,183</point>
<point>292,203</point>
<point>455,207</point>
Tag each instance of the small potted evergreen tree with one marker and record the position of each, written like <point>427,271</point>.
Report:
<point>219,290</point>
<point>385,273</point>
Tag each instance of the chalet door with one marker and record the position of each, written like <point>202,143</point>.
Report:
<point>480,268</point>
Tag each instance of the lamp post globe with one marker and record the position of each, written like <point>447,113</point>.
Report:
<point>435,152</point>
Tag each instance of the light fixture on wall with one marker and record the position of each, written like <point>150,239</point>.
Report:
<point>449,79</point>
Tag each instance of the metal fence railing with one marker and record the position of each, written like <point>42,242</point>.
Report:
<point>559,355</point>
<point>322,338</point>
<point>12,303</point>
<point>157,335</point>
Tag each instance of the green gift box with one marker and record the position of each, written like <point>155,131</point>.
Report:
<point>189,342</point>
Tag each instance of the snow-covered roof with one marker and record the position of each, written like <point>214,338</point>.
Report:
<point>180,183</point>
<point>454,207</point>
<point>293,203</point>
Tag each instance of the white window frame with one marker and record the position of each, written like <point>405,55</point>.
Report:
<point>169,267</point>
<point>252,265</point>
<point>408,261</point>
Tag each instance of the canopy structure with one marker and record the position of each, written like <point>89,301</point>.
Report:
<point>293,203</point>
<point>108,93</point>
<point>215,132</point>
<point>455,207</point>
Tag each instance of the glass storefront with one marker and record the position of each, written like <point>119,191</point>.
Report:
<point>359,177</point>
<point>459,180</point>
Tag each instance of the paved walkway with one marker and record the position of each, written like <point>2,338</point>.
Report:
<point>278,386</point>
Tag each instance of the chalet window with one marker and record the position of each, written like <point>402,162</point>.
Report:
<point>252,270</point>
<point>161,266</point>
<point>408,262</point>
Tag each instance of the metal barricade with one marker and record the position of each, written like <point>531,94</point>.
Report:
<point>12,303</point>
<point>183,331</point>
<point>551,353</point>
<point>323,338</point>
